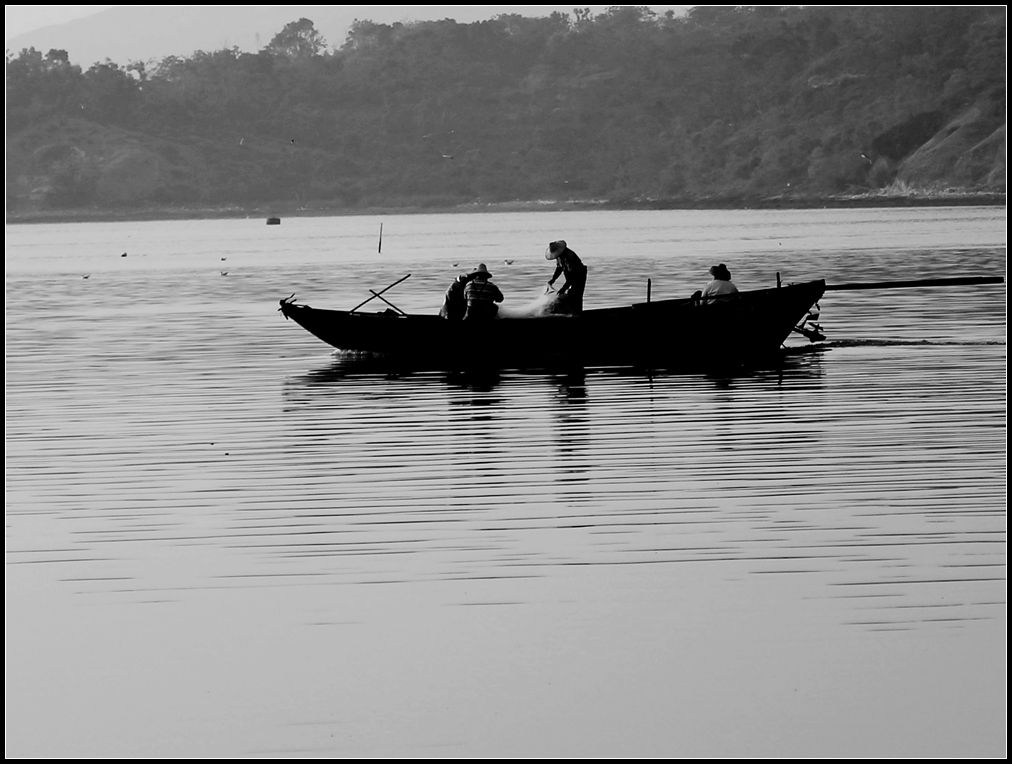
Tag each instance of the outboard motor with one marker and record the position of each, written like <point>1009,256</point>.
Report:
<point>810,327</point>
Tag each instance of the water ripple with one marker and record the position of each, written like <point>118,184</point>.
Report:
<point>875,459</point>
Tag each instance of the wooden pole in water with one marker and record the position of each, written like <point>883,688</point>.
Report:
<point>959,281</point>
<point>379,249</point>
<point>648,290</point>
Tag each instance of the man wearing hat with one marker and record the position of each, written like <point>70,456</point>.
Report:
<point>721,285</point>
<point>568,263</point>
<point>481,295</point>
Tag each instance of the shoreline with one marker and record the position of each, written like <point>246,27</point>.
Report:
<point>287,210</point>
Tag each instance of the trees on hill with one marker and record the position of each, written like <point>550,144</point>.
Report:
<point>727,102</point>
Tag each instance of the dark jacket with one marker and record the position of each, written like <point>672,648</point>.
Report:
<point>569,263</point>
<point>482,296</point>
<point>454,302</point>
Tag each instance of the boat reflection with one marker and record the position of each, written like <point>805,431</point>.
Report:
<point>573,434</point>
<point>477,380</point>
<point>800,363</point>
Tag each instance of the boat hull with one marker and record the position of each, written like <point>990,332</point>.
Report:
<point>746,328</point>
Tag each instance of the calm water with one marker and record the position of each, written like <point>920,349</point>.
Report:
<point>224,539</point>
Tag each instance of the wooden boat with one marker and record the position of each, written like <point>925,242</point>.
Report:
<point>748,328</point>
<point>744,328</point>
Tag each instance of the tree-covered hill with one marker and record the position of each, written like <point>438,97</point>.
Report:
<point>727,105</point>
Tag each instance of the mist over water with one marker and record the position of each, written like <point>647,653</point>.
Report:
<point>224,538</point>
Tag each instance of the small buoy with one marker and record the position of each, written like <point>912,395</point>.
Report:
<point>273,221</point>
<point>123,255</point>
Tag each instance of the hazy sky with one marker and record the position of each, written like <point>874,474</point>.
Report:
<point>19,19</point>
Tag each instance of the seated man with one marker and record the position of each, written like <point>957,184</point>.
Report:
<point>720,286</point>
<point>481,295</point>
<point>454,302</point>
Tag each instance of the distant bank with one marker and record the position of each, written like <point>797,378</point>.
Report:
<point>323,210</point>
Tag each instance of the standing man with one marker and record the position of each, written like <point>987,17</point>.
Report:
<point>568,263</point>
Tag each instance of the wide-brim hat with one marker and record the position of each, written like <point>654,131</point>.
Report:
<point>481,270</point>
<point>555,248</point>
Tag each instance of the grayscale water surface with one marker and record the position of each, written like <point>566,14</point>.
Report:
<point>225,539</point>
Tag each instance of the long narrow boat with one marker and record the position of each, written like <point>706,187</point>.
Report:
<point>744,329</point>
<point>682,333</point>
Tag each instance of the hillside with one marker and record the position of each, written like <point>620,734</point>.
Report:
<point>725,106</point>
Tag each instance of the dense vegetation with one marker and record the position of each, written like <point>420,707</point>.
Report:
<point>727,104</point>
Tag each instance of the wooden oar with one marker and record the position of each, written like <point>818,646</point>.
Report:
<point>377,294</point>
<point>959,281</point>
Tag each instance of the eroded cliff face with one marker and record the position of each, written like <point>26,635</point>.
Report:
<point>957,151</point>
<point>966,154</point>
